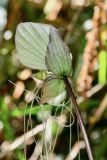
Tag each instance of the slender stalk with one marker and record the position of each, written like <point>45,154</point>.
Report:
<point>79,117</point>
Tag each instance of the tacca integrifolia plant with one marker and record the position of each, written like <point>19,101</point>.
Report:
<point>39,46</point>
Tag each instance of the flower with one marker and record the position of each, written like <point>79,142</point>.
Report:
<point>39,46</point>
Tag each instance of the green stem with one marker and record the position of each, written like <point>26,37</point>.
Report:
<point>79,117</point>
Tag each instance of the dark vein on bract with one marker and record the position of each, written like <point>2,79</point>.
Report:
<point>30,34</point>
<point>53,91</point>
<point>55,56</point>
<point>26,40</point>
<point>39,34</point>
<point>33,65</point>
<point>49,59</point>
<point>35,54</point>
<point>60,50</point>
<point>54,44</point>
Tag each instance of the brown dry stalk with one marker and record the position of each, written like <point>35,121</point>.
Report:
<point>75,150</point>
<point>90,55</point>
<point>94,43</point>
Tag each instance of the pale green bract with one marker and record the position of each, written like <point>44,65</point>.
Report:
<point>51,89</point>
<point>39,46</point>
<point>58,59</point>
<point>31,44</point>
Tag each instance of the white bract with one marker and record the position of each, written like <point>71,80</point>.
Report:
<point>39,46</point>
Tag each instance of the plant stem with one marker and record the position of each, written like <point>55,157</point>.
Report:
<point>79,117</point>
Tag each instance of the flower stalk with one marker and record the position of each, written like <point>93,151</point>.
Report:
<point>79,117</point>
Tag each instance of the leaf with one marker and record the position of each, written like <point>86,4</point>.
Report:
<point>52,89</point>
<point>31,44</point>
<point>102,67</point>
<point>36,109</point>
<point>58,59</point>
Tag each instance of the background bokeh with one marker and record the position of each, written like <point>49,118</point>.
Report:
<point>83,26</point>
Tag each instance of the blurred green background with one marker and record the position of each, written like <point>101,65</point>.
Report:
<point>83,26</point>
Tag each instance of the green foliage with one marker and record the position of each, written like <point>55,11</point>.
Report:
<point>5,118</point>
<point>6,115</point>
<point>54,128</point>
<point>102,67</point>
<point>35,110</point>
<point>20,155</point>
